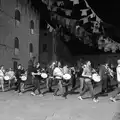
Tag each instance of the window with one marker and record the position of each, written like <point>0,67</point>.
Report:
<point>32,27</point>
<point>45,48</point>
<point>16,45</point>
<point>31,50</point>
<point>17,17</point>
<point>0,4</point>
<point>15,65</point>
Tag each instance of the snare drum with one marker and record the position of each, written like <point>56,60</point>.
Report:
<point>44,75</point>
<point>6,77</point>
<point>96,77</point>
<point>67,76</point>
<point>24,78</point>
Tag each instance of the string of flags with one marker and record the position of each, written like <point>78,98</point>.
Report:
<point>75,25</point>
<point>108,44</point>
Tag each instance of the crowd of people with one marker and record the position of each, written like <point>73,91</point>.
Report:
<point>64,76</point>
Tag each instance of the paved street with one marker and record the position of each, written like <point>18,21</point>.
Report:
<point>27,107</point>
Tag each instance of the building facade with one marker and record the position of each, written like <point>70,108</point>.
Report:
<point>19,33</point>
<point>53,49</point>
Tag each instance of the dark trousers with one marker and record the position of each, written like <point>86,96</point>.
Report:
<point>58,87</point>
<point>65,85</point>
<point>88,86</point>
<point>117,91</point>
<point>18,85</point>
<point>73,81</point>
<point>49,83</point>
<point>36,84</point>
<point>105,80</point>
<point>81,79</point>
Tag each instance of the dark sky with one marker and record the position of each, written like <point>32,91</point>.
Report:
<point>107,10</point>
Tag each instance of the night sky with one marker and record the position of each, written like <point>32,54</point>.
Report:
<point>107,10</point>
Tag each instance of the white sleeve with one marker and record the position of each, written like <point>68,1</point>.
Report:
<point>118,70</point>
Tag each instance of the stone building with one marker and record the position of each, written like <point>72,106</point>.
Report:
<point>19,33</point>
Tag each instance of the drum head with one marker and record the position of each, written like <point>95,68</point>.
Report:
<point>44,75</point>
<point>58,77</point>
<point>96,78</point>
<point>23,78</point>
<point>6,77</point>
<point>67,76</point>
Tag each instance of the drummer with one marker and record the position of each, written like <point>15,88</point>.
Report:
<point>58,74</point>
<point>87,74</point>
<point>11,74</point>
<point>36,80</point>
<point>2,72</point>
<point>65,82</point>
<point>18,75</point>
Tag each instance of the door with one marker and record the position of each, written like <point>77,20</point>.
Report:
<point>15,64</point>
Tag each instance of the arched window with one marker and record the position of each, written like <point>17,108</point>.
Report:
<point>16,45</point>
<point>16,41</point>
<point>31,48</point>
<point>17,17</point>
<point>31,24</point>
<point>32,27</point>
<point>15,65</point>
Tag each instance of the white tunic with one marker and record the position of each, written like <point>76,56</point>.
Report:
<point>118,73</point>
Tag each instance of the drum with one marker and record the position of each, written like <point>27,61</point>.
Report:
<point>6,77</point>
<point>57,72</point>
<point>58,77</point>
<point>24,78</point>
<point>44,75</point>
<point>67,76</point>
<point>96,77</point>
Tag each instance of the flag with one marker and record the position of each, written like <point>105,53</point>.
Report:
<point>68,12</point>
<point>84,12</point>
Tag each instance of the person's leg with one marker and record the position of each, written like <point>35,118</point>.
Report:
<point>57,88</point>
<point>85,88</point>
<point>81,83</point>
<point>115,93</point>
<point>2,83</point>
<point>104,84</point>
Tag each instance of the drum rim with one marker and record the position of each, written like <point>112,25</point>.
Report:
<point>42,75</point>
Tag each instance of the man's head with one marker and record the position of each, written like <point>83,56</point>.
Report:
<point>19,66</point>
<point>118,61</point>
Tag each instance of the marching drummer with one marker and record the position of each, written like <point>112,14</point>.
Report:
<point>65,81</point>
<point>18,75</point>
<point>2,71</point>
<point>58,74</point>
<point>87,74</point>
<point>36,80</point>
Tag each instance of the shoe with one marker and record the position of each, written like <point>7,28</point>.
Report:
<point>40,95</point>
<point>80,98</point>
<point>55,94</point>
<point>95,100</point>
<point>113,99</point>
<point>118,94</point>
<point>32,93</point>
<point>64,96</point>
<point>20,93</point>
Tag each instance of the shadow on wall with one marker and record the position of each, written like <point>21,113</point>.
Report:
<point>63,52</point>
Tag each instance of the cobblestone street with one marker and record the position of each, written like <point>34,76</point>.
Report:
<point>27,107</point>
